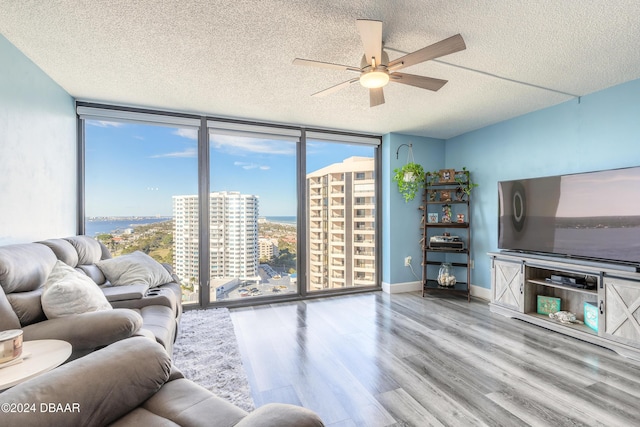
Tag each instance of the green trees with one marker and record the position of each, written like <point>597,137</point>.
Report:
<point>156,240</point>
<point>286,261</point>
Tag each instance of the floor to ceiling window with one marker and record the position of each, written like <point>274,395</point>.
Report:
<point>135,175</point>
<point>243,212</point>
<point>252,211</point>
<point>341,209</point>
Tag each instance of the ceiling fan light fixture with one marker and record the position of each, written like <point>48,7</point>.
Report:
<point>374,79</point>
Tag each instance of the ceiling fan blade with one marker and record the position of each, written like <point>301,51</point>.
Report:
<point>311,63</point>
<point>335,88</point>
<point>418,81</point>
<point>436,50</point>
<point>371,35</point>
<point>376,97</point>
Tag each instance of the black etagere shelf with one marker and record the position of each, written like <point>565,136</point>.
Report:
<point>445,192</point>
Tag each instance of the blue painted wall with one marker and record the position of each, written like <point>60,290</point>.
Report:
<point>401,220</point>
<point>38,178</point>
<point>601,131</point>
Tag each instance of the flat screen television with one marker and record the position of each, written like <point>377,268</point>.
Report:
<point>594,215</point>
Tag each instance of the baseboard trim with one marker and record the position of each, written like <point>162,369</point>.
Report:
<point>481,292</point>
<point>397,288</point>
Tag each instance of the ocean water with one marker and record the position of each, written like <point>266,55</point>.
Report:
<point>93,228</point>
<point>282,219</point>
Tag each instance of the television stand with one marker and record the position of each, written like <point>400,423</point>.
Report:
<point>612,294</point>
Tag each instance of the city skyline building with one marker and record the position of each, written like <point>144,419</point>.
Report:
<point>268,248</point>
<point>234,249</point>
<point>341,224</point>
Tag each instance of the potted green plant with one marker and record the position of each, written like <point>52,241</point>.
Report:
<point>410,179</point>
<point>465,184</point>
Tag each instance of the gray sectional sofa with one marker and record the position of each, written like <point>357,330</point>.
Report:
<point>132,383</point>
<point>121,316</point>
<point>138,308</point>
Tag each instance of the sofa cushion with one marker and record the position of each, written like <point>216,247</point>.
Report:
<point>24,267</point>
<point>136,267</point>
<point>188,404</point>
<point>63,250</point>
<point>281,415</point>
<point>68,292</point>
<point>143,417</point>
<point>89,250</point>
<point>8,317</point>
<point>104,385</point>
<point>161,322</point>
<point>93,272</point>
<point>87,332</point>
<point>27,306</point>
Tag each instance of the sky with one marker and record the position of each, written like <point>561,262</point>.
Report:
<point>135,169</point>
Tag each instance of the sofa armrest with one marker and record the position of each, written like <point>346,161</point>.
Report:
<point>125,292</point>
<point>154,296</point>
<point>281,415</point>
<point>87,331</point>
<point>103,386</point>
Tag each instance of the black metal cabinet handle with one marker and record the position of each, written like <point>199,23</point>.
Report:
<point>601,307</point>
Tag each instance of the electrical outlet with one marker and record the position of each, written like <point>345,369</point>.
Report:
<point>407,261</point>
<point>472,265</point>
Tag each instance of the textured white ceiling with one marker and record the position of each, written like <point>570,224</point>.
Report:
<point>233,58</point>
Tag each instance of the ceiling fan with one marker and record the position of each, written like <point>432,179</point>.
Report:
<point>375,68</point>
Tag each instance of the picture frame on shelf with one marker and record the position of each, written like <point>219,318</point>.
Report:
<point>446,175</point>
<point>445,195</point>
<point>432,217</point>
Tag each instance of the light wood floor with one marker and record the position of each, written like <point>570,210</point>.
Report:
<point>380,360</point>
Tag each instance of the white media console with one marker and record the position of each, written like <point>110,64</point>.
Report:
<point>517,279</point>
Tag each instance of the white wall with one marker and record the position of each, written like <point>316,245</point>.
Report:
<point>37,152</point>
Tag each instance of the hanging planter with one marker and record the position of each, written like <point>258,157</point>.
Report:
<point>410,177</point>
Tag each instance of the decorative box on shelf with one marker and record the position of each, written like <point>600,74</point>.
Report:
<point>548,305</point>
<point>591,315</point>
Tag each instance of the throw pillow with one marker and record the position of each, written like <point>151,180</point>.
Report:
<point>136,267</point>
<point>68,292</point>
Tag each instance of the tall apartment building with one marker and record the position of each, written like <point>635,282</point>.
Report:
<point>233,219</point>
<point>341,224</point>
<point>268,248</point>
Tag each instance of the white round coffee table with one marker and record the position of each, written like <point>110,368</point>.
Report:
<point>42,356</point>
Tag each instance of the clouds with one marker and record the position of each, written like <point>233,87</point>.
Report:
<point>248,166</point>
<point>187,153</point>
<point>104,124</point>
<point>188,133</point>
<point>235,146</point>
<point>243,145</point>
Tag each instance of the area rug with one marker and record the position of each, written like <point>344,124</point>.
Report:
<point>207,353</point>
